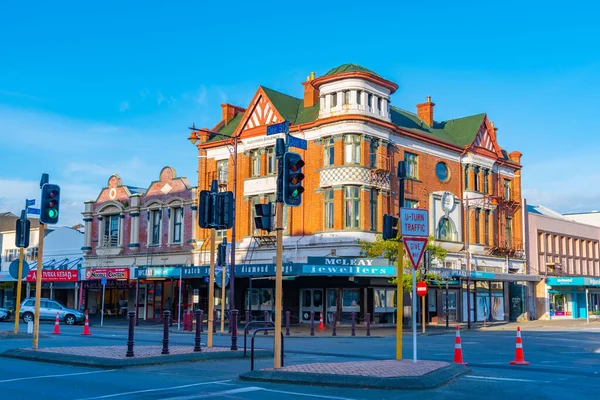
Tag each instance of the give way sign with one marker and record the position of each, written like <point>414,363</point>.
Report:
<point>415,247</point>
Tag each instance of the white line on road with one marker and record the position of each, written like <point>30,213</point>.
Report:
<point>56,376</point>
<point>108,396</point>
<point>493,378</point>
<point>254,389</point>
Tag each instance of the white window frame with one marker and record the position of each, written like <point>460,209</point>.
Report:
<point>152,224</point>
<point>106,219</point>
<point>352,149</point>
<point>175,212</point>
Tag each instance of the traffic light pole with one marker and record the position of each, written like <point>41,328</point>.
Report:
<point>223,272</point>
<point>211,289</point>
<point>38,288</point>
<point>278,282</point>
<point>400,272</point>
<point>19,284</point>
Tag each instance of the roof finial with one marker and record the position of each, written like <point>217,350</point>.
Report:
<point>429,99</point>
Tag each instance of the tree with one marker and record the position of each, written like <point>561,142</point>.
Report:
<point>389,249</point>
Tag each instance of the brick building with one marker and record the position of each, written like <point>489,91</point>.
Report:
<point>141,240</point>
<point>355,140</point>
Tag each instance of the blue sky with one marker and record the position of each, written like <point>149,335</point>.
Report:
<point>111,87</point>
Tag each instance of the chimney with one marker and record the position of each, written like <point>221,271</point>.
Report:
<point>515,156</point>
<point>311,95</point>
<point>229,112</point>
<point>425,111</point>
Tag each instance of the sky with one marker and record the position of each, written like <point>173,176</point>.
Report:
<point>89,89</point>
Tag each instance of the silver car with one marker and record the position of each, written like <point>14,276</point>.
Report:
<point>48,310</point>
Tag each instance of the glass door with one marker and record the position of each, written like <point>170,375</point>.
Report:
<point>449,308</point>
<point>311,300</point>
<point>350,304</point>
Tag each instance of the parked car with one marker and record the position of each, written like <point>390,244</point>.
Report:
<point>48,310</point>
<point>5,314</point>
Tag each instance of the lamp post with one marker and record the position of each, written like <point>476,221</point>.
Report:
<point>193,139</point>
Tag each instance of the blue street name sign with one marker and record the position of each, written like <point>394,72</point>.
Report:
<point>281,127</point>
<point>29,203</point>
<point>104,280</point>
<point>297,142</point>
<point>34,211</point>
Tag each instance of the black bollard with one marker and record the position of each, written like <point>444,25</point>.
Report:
<point>214,321</point>
<point>266,320</point>
<point>247,321</point>
<point>287,323</point>
<point>170,320</point>
<point>312,323</point>
<point>201,321</point>
<point>368,324</point>
<point>353,323</point>
<point>334,331</point>
<point>166,317</point>
<point>229,318</point>
<point>234,329</point>
<point>132,321</point>
<point>198,330</point>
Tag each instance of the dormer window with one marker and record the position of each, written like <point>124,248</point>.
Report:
<point>333,100</point>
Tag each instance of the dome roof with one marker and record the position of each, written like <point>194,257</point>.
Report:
<point>349,68</point>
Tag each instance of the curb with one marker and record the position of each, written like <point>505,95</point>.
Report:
<point>431,380</point>
<point>108,363</point>
<point>20,335</point>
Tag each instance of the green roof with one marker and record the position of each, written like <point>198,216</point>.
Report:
<point>287,106</point>
<point>227,129</point>
<point>459,132</point>
<point>349,68</point>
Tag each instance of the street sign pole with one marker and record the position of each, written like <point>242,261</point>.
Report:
<point>278,256</point>
<point>223,299</point>
<point>19,284</point>
<point>211,289</point>
<point>38,287</point>
<point>414,307</point>
<point>179,302</point>
<point>401,173</point>
<point>103,290</point>
<point>424,318</point>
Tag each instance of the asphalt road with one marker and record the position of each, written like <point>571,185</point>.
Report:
<point>562,364</point>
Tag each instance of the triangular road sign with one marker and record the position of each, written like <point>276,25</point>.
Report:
<point>415,247</point>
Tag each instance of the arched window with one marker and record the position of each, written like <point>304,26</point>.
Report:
<point>445,229</point>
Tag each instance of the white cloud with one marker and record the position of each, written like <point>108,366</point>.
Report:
<point>124,106</point>
<point>160,98</point>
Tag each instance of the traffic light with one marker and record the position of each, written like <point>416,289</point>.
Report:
<point>390,227</point>
<point>264,217</point>
<point>206,209</point>
<point>49,209</point>
<point>224,216</point>
<point>292,179</point>
<point>222,252</point>
<point>22,236</point>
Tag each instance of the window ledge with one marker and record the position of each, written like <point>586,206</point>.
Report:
<point>408,178</point>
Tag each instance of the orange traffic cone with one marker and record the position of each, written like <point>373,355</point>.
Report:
<point>56,326</point>
<point>321,325</point>
<point>86,328</point>
<point>519,357</point>
<point>458,358</point>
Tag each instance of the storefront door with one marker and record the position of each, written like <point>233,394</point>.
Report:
<point>311,300</point>
<point>448,308</point>
<point>384,301</point>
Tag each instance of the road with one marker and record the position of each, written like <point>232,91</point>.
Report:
<point>562,363</point>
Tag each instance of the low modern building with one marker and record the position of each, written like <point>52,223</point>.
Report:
<point>565,254</point>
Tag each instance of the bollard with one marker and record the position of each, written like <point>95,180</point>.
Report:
<point>214,321</point>
<point>353,323</point>
<point>287,323</point>
<point>334,331</point>
<point>165,349</point>
<point>170,320</point>
<point>198,330</point>
<point>312,323</point>
<point>368,324</point>
<point>229,318</point>
<point>132,321</point>
<point>234,329</point>
<point>201,321</point>
<point>266,320</point>
<point>247,321</point>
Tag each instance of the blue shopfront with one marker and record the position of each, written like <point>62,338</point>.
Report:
<point>573,297</point>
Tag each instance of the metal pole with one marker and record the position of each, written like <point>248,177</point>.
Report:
<point>211,289</point>
<point>423,316</point>
<point>166,317</point>
<point>102,313</point>
<point>179,302</point>
<point>447,304</point>
<point>467,245</point>
<point>38,288</point>
<point>130,342</point>
<point>223,301</point>
<point>587,305</point>
<point>249,301</point>
<point>19,284</point>
<point>233,238</point>
<point>414,307</point>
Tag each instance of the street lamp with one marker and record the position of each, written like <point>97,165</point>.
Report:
<point>483,200</point>
<point>193,139</point>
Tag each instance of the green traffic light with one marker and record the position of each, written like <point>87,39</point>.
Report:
<point>52,213</point>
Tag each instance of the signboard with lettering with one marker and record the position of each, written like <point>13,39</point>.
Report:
<point>70,275</point>
<point>191,271</point>
<point>414,222</point>
<point>354,261</point>
<point>415,247</point>
<point>92,274</point>
<point>335,270</point>
<point>572,281</point>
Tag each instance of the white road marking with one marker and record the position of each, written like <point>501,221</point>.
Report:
<point>108,396</point>
<point>254,389</point>
<point>56,376</point>
<point>493,378</point>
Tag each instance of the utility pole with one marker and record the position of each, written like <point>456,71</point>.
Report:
<point>468,257</point>
<point>38,288</point>
<point>211,288</point>
<point>280,150</point>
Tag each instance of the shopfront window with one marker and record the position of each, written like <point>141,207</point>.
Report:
<point>384,302</point>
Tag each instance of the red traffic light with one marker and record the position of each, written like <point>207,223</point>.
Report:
<point>298,166</point>
<point>53,194</point>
